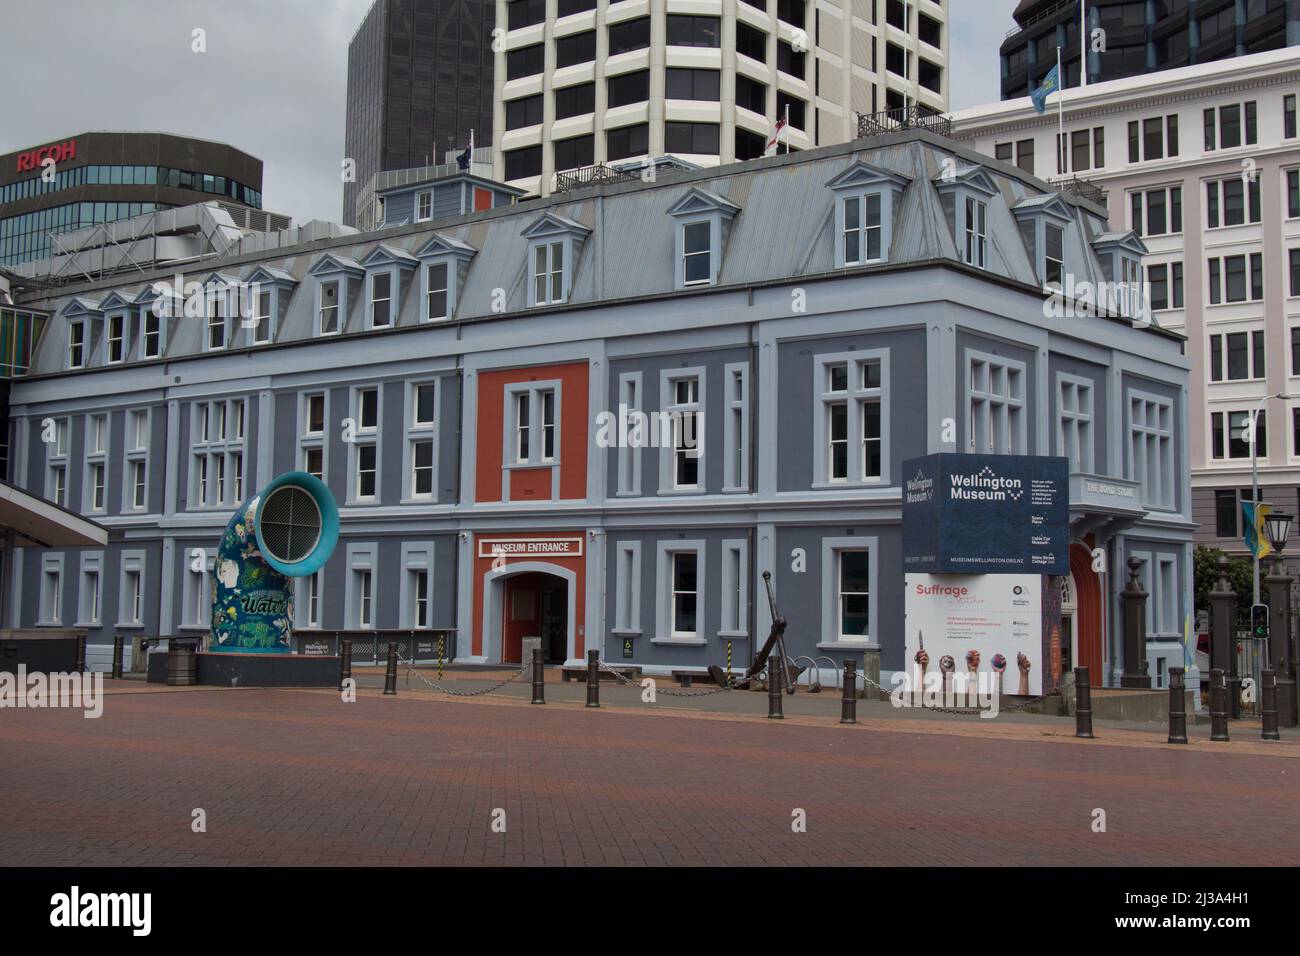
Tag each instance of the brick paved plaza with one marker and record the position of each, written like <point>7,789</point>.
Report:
<point>298,777</point>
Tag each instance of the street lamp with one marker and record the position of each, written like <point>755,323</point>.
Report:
<point>1254,476</point>
<point>1278,525</point>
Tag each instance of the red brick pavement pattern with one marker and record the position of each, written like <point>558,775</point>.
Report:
<point>292,777</point>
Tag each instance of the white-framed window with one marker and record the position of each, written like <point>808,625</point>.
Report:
<point>685,594</point>
<point>436,299</point>
<point>1230,434</point>
<point>424,205</point>
<point>130,604</point>
<point>863,235</point>
<point>151,334</point>
<point>116,338</point>
<point>51,612</point>
<point>735,470</point>
<point>735,588</point>
<point>1053,254</point>
<point>1237,356</point>
<point>995,401</point>
<point>421,440</point>
<point>697,252</point>
<point>417,585</point>
<point>686,417</point>
<point>56,463</point>
<point>262,320</point>
<point>359,604</point>
<point>1156,212</point>
<point>77,344</point>
<point>627,588</point>
<point>1153,138</point>
<point>200,588</point>
<point>1231,126</point>
<point>976,233</point>
<point>95,497</point>
<point>217,453</point>
<point>1151,448</point>
<point>851,428</point>
<point>216,336</point>
<point>135,473</point>
<point>534,423</point>
<point>1074,417</point>
<point>629,452</point>
<point>1165,285</point>
<point>1234,279</point>
<point>90,596</point>
<point>1232,201</point>
<point>312,445</point>
<point>381,300</point>
<point>849,579</point>
<point>330,317</point>
<point>313,600</point>
<point>364,447</point>
<point>548,273</point>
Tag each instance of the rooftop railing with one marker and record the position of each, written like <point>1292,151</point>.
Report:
<point>915,116</point>
<point>1082,188</point>
<point>570,179</point>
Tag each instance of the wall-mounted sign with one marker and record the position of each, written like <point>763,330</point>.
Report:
<point>59,152</point>
<point>530,548</point>
<point>316,648</point>
<point>988,624</point>
<point>627,647</point>
<point>986,514</point>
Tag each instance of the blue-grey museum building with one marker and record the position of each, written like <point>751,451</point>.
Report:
<point>597,418</point>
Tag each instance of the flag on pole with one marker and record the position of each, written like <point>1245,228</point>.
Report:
<point>773,143</point>
<point>1051,84</point>
<point>1256,539</point>
<point>465,158</point>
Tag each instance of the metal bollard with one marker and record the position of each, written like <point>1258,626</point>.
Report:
<point>1083,703</point>
<point>775,665</point>
<point>345,663</point>
<point>1177,706</point>
<point>1268,705</point>
<point>80,666</point>
<point>118,642</point>
<point>539,677</point>
<point>849,698</point>
<point>1218,704</point>
<point>593,678</point>
<point>390,676</point>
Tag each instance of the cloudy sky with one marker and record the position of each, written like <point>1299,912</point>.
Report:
<point>271,82</point>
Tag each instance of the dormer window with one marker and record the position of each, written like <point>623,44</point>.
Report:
<point>218,289</point>
<point>1054,254</point>
<point>151,334</point>
<point>703,223</point>
<point>862,230</point>
<point>548,273</point>
<point>268,290</point>
<point>381,300</point>
<point>216,322</point>
<point>329,308</point>
<point>76,344</point>
<point>865,198</point>
<point>1121,262</point>
<point>116,338</point>
<point>386,269</point>
<point>260,333</point>
<point>977,233</point>
<point>443,262</point>
<point>1043,220</point>
<point>697,253</point>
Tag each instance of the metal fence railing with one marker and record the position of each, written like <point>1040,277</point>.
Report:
<point>913,116</point>
<point>414,645</point>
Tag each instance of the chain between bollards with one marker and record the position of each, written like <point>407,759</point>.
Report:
<point>849,697</point>
<point>1218,704</point>
<point>1177,706</point>
<point>593,678</point>
<point>390,676</point>
<point>345,663</point>
<point>1082,703</point>
<point>118,643</point>
<point>1268,705</point>
<point>539,677</point>
<point>775,665</point>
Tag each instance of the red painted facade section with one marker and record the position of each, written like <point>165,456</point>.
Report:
<point>512,636</point>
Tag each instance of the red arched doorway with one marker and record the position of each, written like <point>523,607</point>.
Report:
<point>1086,586</point>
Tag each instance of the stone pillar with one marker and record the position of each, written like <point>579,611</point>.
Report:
<point>1134,602</point>
<point>1278,586</point>
<point>1223,626</point>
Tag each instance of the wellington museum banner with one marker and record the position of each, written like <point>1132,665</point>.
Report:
<point>986,514</point>
<point>978,624</point>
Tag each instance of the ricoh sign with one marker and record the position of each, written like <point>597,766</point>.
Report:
<point>986,514</point>
<point>34,159</point>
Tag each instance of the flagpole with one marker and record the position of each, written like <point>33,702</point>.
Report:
<point>1060,111</point>
<point>1083,42</point>
<point>785,130</point>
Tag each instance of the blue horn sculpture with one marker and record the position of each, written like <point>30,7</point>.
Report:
<point>288,530</point>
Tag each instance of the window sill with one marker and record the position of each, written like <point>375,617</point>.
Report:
<point>532,465</point>
<point>680,641</point>
<point>733,635</point>
<point>129,625</point>
<point>849,485</point>
<point>848,646</point>
<point>626,631</point>
<point>681,491</point>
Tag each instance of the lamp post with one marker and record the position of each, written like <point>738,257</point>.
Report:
<point>1254,476</point>
<point>1278,646</point>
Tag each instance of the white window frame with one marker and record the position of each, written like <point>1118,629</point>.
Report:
<point>735,428</point>
<point>417,559</point>
<point>216,299</point>
<point>734,623</point>
<point>985,406</point>
<point>535,427</point>
<point>855,398</point>
<point>975,238</point>
<point>542,256</point>
<point>687,255</point>
<point>217,453</point>
<point>627,589</point>
<point>90,590</point>
<point>368,436</point>
<point>631,398</point>
<point>1074,421</point>
<point>130,606</point>
<point>677,411</point>
<point>308,440</point>
<point>76,357</point>
<point>665,619</point>
<point>832,639</point>
<point>427,289</point>
<point>120,339</point>
<point>391,299</point>
<point>362,559</point>
<point>94,493</point>
<point>418,432</point>
<point>146,315</point>
<point>56,463</point>
<point>50,613</point>
<point>196,599</point>
<point>423,205</point>
<point>1159,495</point>
<point>863,230</point>
<point>135,455</point>
<point>339,282</point>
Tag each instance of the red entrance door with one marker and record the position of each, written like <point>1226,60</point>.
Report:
<point>1087,598</point>
<point>535,605</point>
